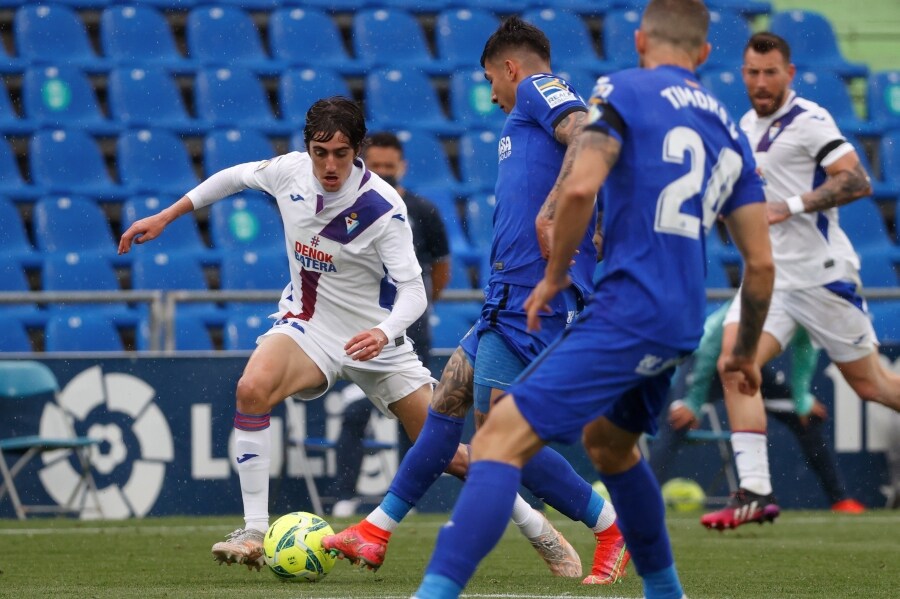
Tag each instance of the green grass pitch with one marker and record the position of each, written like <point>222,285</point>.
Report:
<point>806,554</point>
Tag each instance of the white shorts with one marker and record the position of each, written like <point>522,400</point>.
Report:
<point>835,317</point>
<point>394,374</point>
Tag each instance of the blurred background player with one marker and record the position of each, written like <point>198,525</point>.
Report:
<point>669,159</point>
<point>345,229</point>
<point>810,170</point>
<point>544,116</point>
<point>383,155</point>
<point>803,414</point>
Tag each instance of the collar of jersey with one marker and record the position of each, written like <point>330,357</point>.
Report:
<point>347,190</point>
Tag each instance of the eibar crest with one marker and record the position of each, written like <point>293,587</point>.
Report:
<point>351,222</point>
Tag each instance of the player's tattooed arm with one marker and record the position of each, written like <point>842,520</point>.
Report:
<point>847,181</point>
<point>454,395</point>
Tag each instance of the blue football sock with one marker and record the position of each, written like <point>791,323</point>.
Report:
<point>478,521</point>
<point>641,518</point>
<point>435,586</point>
<point>663,584</point>
<point>425,461</point>
<point>551,478</point>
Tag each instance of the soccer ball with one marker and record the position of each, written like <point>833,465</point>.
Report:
<point>293,547</point>
<point>683,495</point>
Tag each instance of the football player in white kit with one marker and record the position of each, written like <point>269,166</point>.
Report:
<point>810,170</point>
<point>355,287</point>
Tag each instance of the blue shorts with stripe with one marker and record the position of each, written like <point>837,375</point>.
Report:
<point>596,369</point>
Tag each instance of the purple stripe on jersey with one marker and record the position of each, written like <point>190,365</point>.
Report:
<point>819,176</point>
<point>251,422</point>
<point>365,178</point>
<point>309,292</point>
<point>777,126</point>
<point>320,202</point>
<point>350,223</point>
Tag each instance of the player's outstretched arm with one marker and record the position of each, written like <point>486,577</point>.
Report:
<point>148,229</point>
<point>749,229</point>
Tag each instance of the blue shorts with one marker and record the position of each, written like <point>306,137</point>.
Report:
<point>500,345</point>
<point>596,369</point>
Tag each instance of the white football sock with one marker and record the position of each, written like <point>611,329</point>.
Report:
<point>606,518</point>
<point>253,450</point>
<point>379,518</point>
<point>751,454</point>
<point>528,519</point>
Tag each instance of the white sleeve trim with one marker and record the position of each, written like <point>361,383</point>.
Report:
<point>837,153</point>
<point>223,184</point>
<point>409,305</point>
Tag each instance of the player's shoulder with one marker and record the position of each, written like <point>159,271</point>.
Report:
<point>553,88</point>
<point>285,162</point>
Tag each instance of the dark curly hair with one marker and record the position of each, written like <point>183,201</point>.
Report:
<point>337,114</point>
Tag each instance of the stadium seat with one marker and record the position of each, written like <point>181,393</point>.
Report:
<point>72,224</point>
<point>51,33</point>
<point>10,65</point>
<point>884,99</point>
<point>392,38</point>
<point>188,334</point>
<point>728,87</point>
<point>225,148</point>
<point>323,46</point>
<point>886,319</point>
<point>69,162</point>
<point>148,96</point>
<point>749,8</point>
<point>480,222</point>
<point>427,162</point>
<point>300,88</point>
<point>182,235</point>
<point>14,242</point>
<point>813,42</point>
<point>10,121</point>
<point>582,80</point>
<point>470,101</point>
<point>13,280</point>
<point>234,97</point>
<point>225,36</point>
<point>478,160</point>
<point>728,33</point>
<point>257,5</point>
<point>403,98</point>
<point>63,97</point>
<point>77,330</point>
<point>889,155</point>
<point>240,223</point>
<point>569,38</point>
<point>617,39</point>
<point>878,266</point>
<point>828,90</point>
<point>336,6</point>
<point>88,271</point>
<point>460,34</point>
<point>243,327</point>
<point>861,220</point>
<point>11,182</point>
<point>716,273</point>
<point>249,270</point>
<point>170,272</point>
<point>155,161</point>
<point>15,337</point>
<point>451,320</point>
<point>140,36</point>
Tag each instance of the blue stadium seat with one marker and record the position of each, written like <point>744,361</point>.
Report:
<point>14,242</point>
<point>253,5</point>
<point>334,6</point>
<point>181,235</point>
<point>827,89</point>
<point>716,273</point>
<point>749,8</point>
<point>11,182</point>
<point>137,35</point>
<point>63,96</point>
<point>884,98</point>
<point>88,271</point>
<point>191,334</point>
<point>478,156</point>
<point>427,162</point>
<point>241,223</point>
<point>813,43</point>
<point>148,96</point>
<point>404,98</point>
<point>480,228</point>
<point>728,88</point>
<point>53,34</point>
<point>174,271</point>
<point>13,279</point>
<point>889,155</point>
<point>81,330</point>
<point>470,100</point>
<point>392,38</point>
<point>10,65</point>
<point>322,47</point>
<point>234,97</point>
<point>861,220</point>
<point>585,8</point>
<point>618,39</point>
<point>251,270</point>
<point>155,161</point>
<point>227,147</point>
<point>225,36</point>
<point>300,88</point>
<point>582,80</point>
<point>15,337</point>
<point>420,7</point>
<point>569,37</point>
<point>886,319</point>
<point>460,34</point>
<point>69,162</point>
<point>10,121</point>
<point>878,266</point>
<point>243,327</point>
<point>728,33</point>
<point>173,4</point>
<point>62,223</point>
<point>451,320</point>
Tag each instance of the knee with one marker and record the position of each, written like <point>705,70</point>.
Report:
<point>609,458</point>
<point>253,395</point>
<point>867,390</point>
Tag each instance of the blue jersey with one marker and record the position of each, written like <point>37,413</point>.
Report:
<point>656,212</point>
<point>529,161</point>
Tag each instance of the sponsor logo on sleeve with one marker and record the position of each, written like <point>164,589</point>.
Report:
<point>554,90</point>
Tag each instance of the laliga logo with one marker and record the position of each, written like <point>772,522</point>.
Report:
<point>120,408</point>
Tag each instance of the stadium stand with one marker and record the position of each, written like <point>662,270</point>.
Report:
<point>227,147</point>
<point>137,35</point>
<point>72,271</point>
<point>323,45</point>
<point>825,87</point>
<point>72,224</point>
<point>46,33</point>
<point>70,161</point>
<point>569,38</point>
<point>813,42</point>
<point>246,223</point>
<point>728,88</point>
<point>62,96</point>
<point>618,39</point>
<point>470,100</point>
<point>79,330</point>
<point>15,337</point>
<point>460,35</point>
<point>428,166</point>
<point>728,32</point>
<point>148,96</point>
<point>155,161</point>
<point>451,320</point>
<point>225,36</point>
<point>235,97</point>
<point>478,160</point>
<point>392,37</point>
<point>14,243</point>
<point>10,122</point>
<point>243,327</point>
<point>181,236</point>
<point>11,182</point>
<point>884,99</point>
<point>174,271</point>
<point>403,97</point>
<point>300,87</point>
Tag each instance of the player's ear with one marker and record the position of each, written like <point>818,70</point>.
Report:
<point>510,68</point>
<point>703,54</point>
<point>640,42</point>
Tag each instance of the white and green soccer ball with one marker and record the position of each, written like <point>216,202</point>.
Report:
<point>293,547</point>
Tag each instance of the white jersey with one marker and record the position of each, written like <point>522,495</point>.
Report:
<point>346,248</point>
<point>792,148</point>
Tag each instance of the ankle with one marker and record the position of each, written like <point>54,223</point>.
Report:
<point>374,532</point>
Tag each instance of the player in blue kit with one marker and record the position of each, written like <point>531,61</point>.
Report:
<point>545,114</point>
<point>670,160</point>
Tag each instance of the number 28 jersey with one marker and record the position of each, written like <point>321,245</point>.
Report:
<point>683,161</point>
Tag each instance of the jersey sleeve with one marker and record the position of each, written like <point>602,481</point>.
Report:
<point>822,139</point>
<point>396,250</point>
<point>748,188</point>
<point>609,107</point>
<point>233,180</point>
<point>548,99</point>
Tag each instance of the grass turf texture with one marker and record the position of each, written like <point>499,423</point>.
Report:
<point>806,554</point>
